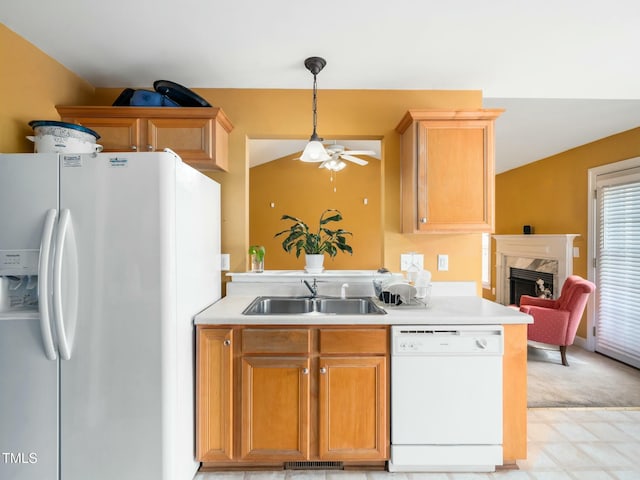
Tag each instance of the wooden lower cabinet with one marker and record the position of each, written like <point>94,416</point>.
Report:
<point>269,395</point>
<point>514,393</point>
<point>299,394</point>
<point>353,408</point>
<point>275,408</point>
<point>214,394</point>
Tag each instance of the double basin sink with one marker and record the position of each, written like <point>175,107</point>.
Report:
<point>313,305</point>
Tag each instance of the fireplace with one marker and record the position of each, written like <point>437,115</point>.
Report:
<point>525,282</point>
<point>551,255</point>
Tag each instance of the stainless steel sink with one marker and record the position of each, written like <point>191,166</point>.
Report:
<point>310,306</point>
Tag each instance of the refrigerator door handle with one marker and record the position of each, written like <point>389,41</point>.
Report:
<point>65,321</point>
<point>44,292</point>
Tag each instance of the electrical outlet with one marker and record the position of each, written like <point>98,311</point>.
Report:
<point>405,260</point>
<point>443,263</point>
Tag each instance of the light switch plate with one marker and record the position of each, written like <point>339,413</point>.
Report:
<point>225,262</point>
<point>443,263</point>
<point>405,261</point>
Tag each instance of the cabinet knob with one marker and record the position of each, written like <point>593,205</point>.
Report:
<point>423,219</point>
<point>150,148</point>
<point>305,371</point>
<point>227,342</point>
<point>134,148</point>
<point>323,370</point>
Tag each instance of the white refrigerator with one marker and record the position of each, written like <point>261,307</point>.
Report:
<point>104,261</point>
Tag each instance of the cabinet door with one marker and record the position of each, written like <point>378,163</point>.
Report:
<point>353,408</point>
<point>514,393</point>
<point>214,394</point>
<point>275,408</point>
<point>200,135</point>
<point>117,134</point>
<point>455,176</point>
<point>198,141</point>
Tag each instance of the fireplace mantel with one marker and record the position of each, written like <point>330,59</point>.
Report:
<point>555,247</point>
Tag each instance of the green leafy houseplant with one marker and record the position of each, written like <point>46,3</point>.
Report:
<point>324,240</point>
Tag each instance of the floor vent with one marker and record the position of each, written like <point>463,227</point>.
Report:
<point>313,466</point>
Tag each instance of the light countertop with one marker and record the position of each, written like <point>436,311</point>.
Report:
<point>325,276</point>
<point>442,310</point>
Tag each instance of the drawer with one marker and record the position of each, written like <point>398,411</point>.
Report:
<point>358,340</point>
<point>276,340</point>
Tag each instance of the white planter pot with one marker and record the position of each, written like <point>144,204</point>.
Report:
<point>314,263</point>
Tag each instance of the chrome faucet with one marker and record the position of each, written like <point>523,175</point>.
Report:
<point>312,288</point>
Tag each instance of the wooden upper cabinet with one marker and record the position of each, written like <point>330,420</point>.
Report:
<point>447,170</point>
<point>200,135</point>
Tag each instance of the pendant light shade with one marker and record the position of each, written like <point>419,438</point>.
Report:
<point>315,151</point>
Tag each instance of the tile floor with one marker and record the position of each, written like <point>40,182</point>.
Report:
<point>564,444</point>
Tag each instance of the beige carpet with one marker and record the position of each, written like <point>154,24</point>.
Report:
<point>591,380</point>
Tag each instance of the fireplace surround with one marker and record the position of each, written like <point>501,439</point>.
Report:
<point>551,254</point>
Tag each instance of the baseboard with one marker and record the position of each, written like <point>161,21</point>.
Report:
<point>581,342</point>
<point>578,342</point>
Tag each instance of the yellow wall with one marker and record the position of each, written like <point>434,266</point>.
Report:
<point>32,83</point>
<point>341,114</point>
<point>37,83</point>
<point>551,194</point>
<point>304,191</point>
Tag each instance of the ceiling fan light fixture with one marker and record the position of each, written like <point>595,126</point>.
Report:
<point>335,165</point>
<point>315,151</point>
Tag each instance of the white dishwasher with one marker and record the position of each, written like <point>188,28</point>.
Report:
<point>446,398</point>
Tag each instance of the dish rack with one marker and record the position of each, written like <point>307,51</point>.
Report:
<point>402,294</point>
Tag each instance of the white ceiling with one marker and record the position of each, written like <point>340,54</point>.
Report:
<point>565,70</point>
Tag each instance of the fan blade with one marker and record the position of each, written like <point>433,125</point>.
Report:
<point>360,152</point>
<point>333,147</point>
<point>353,159</point>
<point>313,161</point>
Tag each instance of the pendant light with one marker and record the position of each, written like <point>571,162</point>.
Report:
<point>315,151</point>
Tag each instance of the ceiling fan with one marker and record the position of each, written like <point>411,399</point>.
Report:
<point>338,153</point>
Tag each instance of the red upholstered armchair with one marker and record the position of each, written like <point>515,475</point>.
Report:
<point>555,322</point>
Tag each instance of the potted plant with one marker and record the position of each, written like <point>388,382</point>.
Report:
<point>256,256</point>
<point>315,244</point>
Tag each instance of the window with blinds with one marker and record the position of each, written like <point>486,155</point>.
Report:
<point>618,266</point>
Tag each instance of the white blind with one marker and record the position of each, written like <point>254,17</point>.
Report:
<point>618,267</point>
